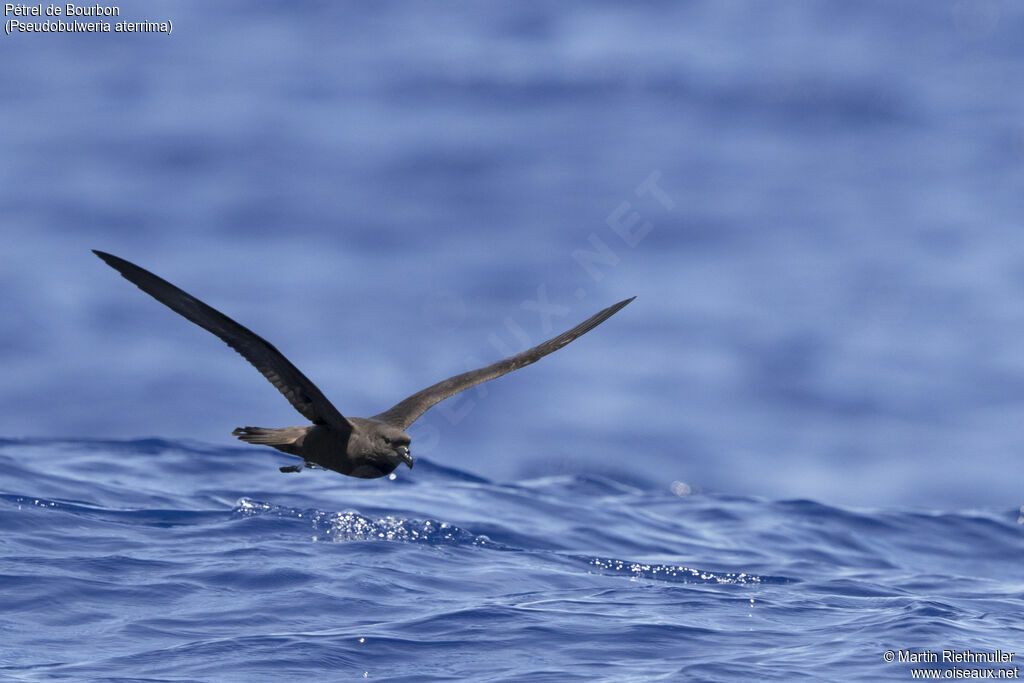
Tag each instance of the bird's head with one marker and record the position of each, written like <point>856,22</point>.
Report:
<point>393,444</point>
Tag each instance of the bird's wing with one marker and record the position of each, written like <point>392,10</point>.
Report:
<point>408,411</point>
<point>295,386</point>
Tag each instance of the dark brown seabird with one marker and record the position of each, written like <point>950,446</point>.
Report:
<point>356,446</point>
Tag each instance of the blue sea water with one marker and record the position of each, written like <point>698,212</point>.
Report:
<point>160,561</point>
<point>797,449</point>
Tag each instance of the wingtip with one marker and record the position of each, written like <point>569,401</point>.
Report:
<point>115,262</point>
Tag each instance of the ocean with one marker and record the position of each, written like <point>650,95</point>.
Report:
<point>796,455</point>
<point>151,560</point>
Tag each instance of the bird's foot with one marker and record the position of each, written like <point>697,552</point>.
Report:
<point>291,468</point>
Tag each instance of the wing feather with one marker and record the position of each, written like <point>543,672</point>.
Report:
<point>409,410</point>
<point>296,387</point>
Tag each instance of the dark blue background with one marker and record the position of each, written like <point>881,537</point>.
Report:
<point>832,307</point>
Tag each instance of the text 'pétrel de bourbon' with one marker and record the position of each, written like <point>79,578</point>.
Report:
<point>68,10</point>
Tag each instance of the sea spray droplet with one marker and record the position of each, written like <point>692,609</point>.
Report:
<point>680,488</point>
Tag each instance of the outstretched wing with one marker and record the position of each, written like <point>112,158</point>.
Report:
<point>408,411</point>
<point>295,386</point>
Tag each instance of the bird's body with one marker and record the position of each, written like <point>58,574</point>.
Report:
<point>357,452</point>
<point>355,446</point>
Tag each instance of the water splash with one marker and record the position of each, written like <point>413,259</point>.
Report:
<point>675,573</point>
<point>349,526</point>
<point>352,526</point>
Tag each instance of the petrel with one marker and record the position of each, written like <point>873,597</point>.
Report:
<point>356,446</point>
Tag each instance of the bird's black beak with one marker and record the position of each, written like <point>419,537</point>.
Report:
<point>405,455</point>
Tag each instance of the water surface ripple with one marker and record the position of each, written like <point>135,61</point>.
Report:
<point>172,561</point>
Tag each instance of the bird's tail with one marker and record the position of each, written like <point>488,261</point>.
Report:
<point>286,439</point>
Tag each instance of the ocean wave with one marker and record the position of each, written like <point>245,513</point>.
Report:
<point>351,526</point>
<point>195,561</point>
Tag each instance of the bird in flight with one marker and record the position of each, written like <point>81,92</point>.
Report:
<point>359,447</point>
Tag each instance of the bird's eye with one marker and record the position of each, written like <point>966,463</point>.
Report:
<point>387,440</point>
